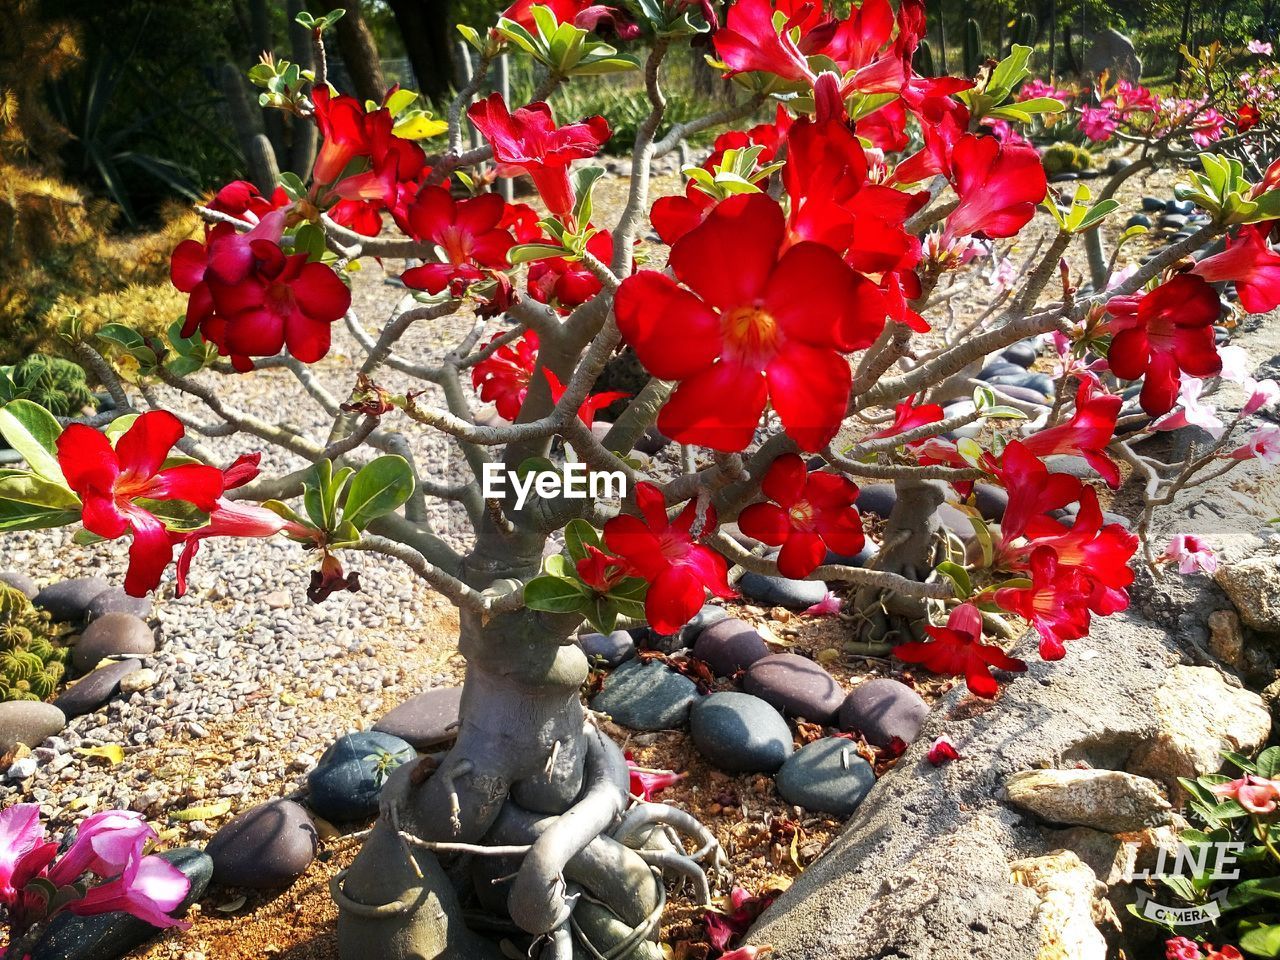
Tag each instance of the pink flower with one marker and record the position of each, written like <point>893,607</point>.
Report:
<point>645,782</point>
<point>1264,445</point>
<point>1098,123</point>
<point>105,844</point>
<point>828,606</point>
<point>1256,794</point>
<point>1259,47</point>
<point>942,751</point>
<point>149,888</point>
<point>20,834</point>
<point>1191,554</point>
<point>1265,395</point>
<point>1193,411</point>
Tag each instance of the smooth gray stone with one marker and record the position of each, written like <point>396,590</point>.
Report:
<point>112,635</point>
<point>883,710</point>
<point>781,591</point>
<point>608,649</point>
<point>1023,353</point>
<point>28,722</point>
<point>108,936</point>
<point>20,582</point>
<point>68,600</point>
<point>94,689</point>
<point>350,775</point>
<point>115,600</point>
<point>795,685</point>
<point>859,559</point>
<point>826,776</point>
<point>740,733</point>
<point>729,646</point>
<point>876,498</point>
<point>268,846</point>
<point>646,696</point>
<point>991,501</point>
<point>427,720</point>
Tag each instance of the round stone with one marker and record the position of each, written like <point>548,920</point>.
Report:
<point>1000,368</point>
<point>826,776</point>
<point>20,582</point>
<point>1023,353</point>
<point>730,646</point>
<point>877,498</point>
<point>427,720</point>
<point>107,936</point>
<point>69,600</point>
<point>348,779</point>
<point>1025,394</point>
<point>28,722</point>
<point>268,846</point>
<point>991,501</point>
<point>646,696</point>
<point>883,710</point>
<point>781,591</point>
<point>115,600</point>
<point>686,636</point>
<point>609,650</point>
<point>110,635</point>
<point>859,559</point>
<point>1138,220</point>
<point>795,685</point>
<point>1153,204</point>
<point>740,733</point>
<point>94,689</point>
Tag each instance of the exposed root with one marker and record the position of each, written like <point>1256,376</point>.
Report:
<point>646,815</point>
<point>669,862</point>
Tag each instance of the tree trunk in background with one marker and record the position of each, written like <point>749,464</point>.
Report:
<point>1053,38</point>
<point>303,146</point>
<point>426,26</point>
<point>264,42</point>
<point>359,53</point>
<point>1184,37</point>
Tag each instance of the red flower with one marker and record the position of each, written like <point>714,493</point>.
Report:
<point>1249,263</point>
<point>583,14</point>
<point>110,481</point>
<point>1056,603</point>
<point>646,783</point>
<point>678,569</point>
<point>755,325</point>
<point>503,377</point>
<point>1086,434</point>
<point>750,41</point>
<point>565,284</point>
<point>1247,117</point>
<point>250,299</point>
<point>1033,490</point>
<point>528,141</point>
<point>590,406</point>
<point>957,648</point>
<point>730,923</point>
<point>466,236</point>
<point>908,416</point>
<point>1162,334</point>
<point>341,120</point>
<point>811,512</point>
<point>942,751</point>
<point>599,571</point>
<point>998,185</point>
<point>240,198</point>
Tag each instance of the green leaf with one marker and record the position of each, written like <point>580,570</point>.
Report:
<point>578,535</point>
<point>1262,941</point>
<point>32,430</point>
<point>1253,891</point>
<point>1268,763</point>
<point>556,566</point>
<point>557,595</point>
<point>1243,762</point>
<point>379,488</point>
<point>958,576</point>
<point>1096,214</point>
<point>584,182</point>
<point>20,486</point>
<point>527,252</point>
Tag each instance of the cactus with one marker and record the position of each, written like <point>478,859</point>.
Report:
<point>32,660</point>
<point>1026,30</point>
<point>924,59</point>
<point>1065,157</point>
<point>973,57</point>
<point>57,385</point>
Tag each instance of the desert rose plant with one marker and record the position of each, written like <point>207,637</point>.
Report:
<point>792,327</point>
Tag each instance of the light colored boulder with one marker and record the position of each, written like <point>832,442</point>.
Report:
<point>1253,585</point>
<point>1073,907</point>
<point>1199,717</point>
<point>1108,800</point>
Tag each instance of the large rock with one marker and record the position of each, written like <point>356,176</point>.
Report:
<point>1111,51</point>
<point>883,710</point>
<point>1197,717</point>
<point>941,839</point>
<point>268,846</point>
<point>112,635</point>
<point>730,646</point>
<point>28,722</point>
<point>94,689</point>
<point>107,936</point>
<point>69,599</point>
<point>1108,800</point>
<point>740,733</point>
<point>345,784</point>
<point>427,720</point>
<point>646,696</point>
<point>1072,904</point>
<point>781,591</point>
<point>115,600</point>
<point>1254,587</point>
<point>609,649</point>
<point>20,582</point>
<point>795,685</point>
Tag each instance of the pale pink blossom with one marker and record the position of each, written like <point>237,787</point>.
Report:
<point>1265,394</point>
<point>1256,794</point>
<point>105,844</point>
<point>1099,123</point>
<point>1191,553</point>
<point>828,606</point>
<point>1260,47</point>
<point>20,833</point>
<point>1192,411</point>
<point>1264,445</point>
